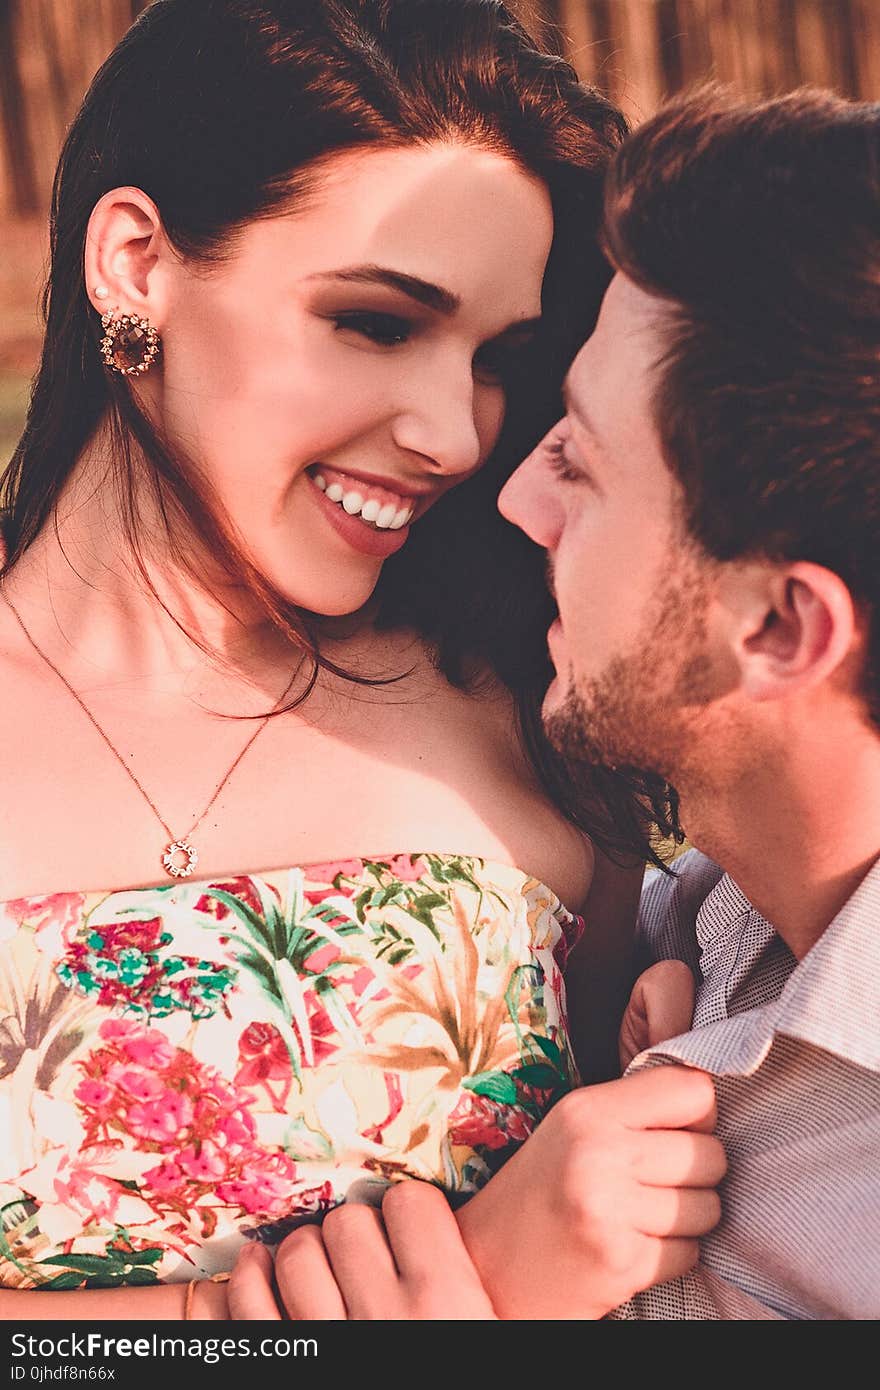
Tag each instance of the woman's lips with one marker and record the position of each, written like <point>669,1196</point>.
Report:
<point>357,533</point>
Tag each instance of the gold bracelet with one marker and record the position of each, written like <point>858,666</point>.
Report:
<point>189,1297</point>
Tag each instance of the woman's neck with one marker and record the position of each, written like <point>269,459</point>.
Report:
<point>82,596</point>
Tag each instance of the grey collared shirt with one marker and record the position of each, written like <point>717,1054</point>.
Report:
<point>795,1051</point>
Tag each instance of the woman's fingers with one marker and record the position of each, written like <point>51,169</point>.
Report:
<point>306,1284</point>
<point>676,1211</point>
<point>680,1158</point>
<point>361,1260</point>
<point>250,1291</point>
<point>437,1276</point>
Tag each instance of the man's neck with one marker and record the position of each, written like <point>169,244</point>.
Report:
<point>797,831</point>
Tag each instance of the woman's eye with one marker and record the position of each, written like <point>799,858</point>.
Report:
<point>387,330</point>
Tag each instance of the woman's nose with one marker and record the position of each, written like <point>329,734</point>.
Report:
<point>439,421</point>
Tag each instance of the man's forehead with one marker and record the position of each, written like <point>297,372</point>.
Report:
<point>624,346</point>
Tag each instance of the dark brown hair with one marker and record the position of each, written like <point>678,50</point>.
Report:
<point>222,111</point>
<point>761,225</point>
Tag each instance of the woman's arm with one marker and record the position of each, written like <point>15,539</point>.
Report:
<point>164,1302</point>
<point>600,971</point>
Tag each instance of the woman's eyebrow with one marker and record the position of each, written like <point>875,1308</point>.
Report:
<point>422,291</point>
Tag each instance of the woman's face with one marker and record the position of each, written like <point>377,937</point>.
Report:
<point>345,367</point>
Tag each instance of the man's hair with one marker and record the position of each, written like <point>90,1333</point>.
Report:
<point>760,225</point>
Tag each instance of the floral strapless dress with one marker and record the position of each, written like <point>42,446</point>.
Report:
<point>188,1066</point>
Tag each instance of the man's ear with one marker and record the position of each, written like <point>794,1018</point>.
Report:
<point>126,253</point>
<point>795,625</point>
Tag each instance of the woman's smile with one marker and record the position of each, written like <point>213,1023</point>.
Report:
<point>343,507</point>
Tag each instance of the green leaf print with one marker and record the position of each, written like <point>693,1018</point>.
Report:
<point>116,1268</point>
<point>277,953</point>
<point>541,1076</point>
<point>551,1050</point>
<point>494,1085</point>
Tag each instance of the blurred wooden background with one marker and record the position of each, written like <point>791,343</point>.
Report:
<point>638,51</point>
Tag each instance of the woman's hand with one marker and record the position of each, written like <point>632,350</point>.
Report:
<point>407,1264</point>
<point>608,1197</point>
<point>251,1288</point>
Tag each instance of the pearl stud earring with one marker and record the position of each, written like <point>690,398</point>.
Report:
<point>101,292</point>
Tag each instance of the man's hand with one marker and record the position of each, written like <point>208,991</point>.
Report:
<point>608,1196</point>
<point>412,1267</point>
<point>661,1006</point>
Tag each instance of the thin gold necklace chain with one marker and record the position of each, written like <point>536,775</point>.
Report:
<point>177,846</point>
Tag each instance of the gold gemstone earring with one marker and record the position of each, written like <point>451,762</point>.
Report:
<point>130,344</point>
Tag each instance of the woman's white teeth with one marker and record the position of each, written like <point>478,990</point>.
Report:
<point>386,516</point>
<point>352,502</point>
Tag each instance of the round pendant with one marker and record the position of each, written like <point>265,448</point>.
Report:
<point>170,863</point>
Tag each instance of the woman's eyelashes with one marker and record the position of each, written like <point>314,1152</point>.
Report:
<point>496,363</point>
<point>385,330</point>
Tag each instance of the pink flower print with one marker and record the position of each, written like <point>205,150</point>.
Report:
<point>243,888</point>
<point>264,1058</point>
<point>97,1095</point>
<point>234,1132</point>
<point>166,1178</point>
<point>266,1185</point>
<point>407,868</point>
<point>114,1029</point>
<point>149,1049</point>
<point>135,1082</point>
<point>90,1192</point>
<point>204,1163</point>
<point>55,919</point>
<point>329,872</point>
<point>198,1125</point>
<point>161,1120</point>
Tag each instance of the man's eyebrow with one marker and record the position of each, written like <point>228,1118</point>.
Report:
<point>571,408</point>
<point>422,291</point>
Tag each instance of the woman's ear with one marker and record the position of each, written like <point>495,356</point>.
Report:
<point>798,629</point>
<point>126,254</point>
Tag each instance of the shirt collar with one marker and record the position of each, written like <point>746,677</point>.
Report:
<point>831,999</point>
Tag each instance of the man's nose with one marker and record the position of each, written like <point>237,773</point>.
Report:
<point>525,501</point>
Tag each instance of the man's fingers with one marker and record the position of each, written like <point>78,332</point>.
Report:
<point>676,1211</point>
<point>250,1291</point>
<point>305,1279</point>
<point>680,1158</point>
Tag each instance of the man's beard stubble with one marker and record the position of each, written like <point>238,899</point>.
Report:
<point>638,713</point>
